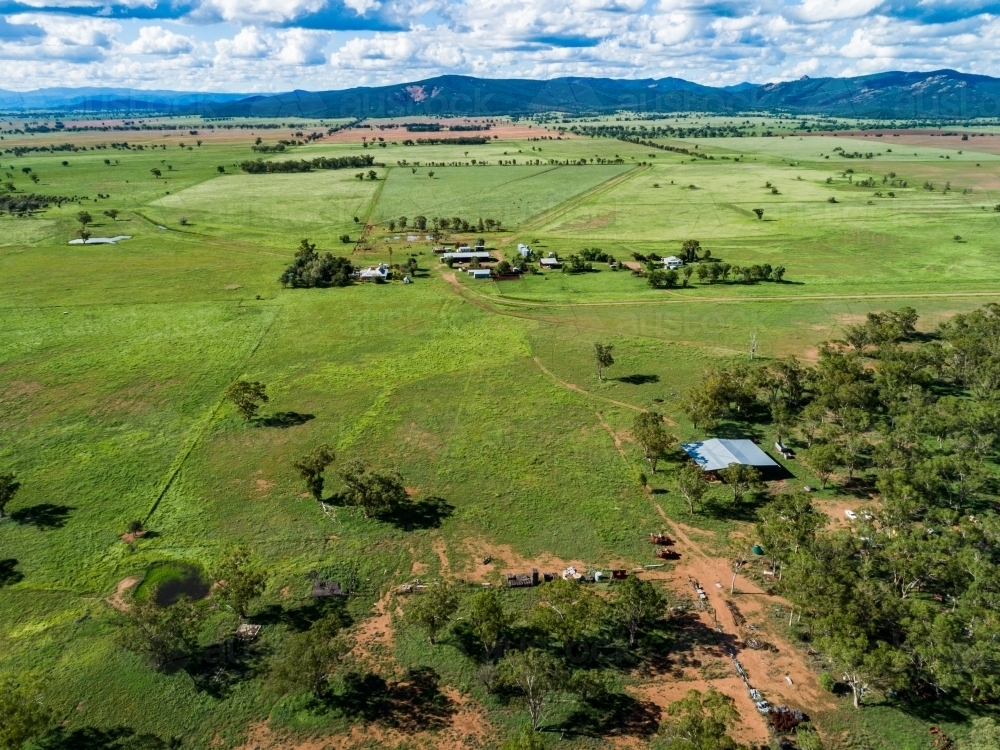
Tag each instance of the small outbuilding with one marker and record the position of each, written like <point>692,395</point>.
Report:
<point>323,589</point>
<point>479,273</point>
<point>716,454</point>
<point>673,262</point>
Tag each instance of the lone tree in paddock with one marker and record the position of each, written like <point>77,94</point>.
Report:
<point>247,396</point>
<point>311,468</point>
<point>8,488</point>
<point>84,218</point>
<point>603,358</point>
<point>656,442</point>
<point>759,212</point>
<point>691,485</point>
<point>112,213</point>
<point>377,492</point>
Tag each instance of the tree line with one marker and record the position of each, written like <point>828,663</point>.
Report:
<point>465,140</point>
<point>26,203</point>
<point>323,162</point>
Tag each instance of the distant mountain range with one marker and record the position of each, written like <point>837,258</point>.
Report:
<point>94,99</point>
<point>937,95</point>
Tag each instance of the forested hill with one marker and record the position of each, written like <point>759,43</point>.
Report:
<point>937,95</point>
<point>942,94</point>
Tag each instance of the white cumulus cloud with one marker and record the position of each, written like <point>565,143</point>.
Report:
<point>249,44</point>
<point>156,40</point>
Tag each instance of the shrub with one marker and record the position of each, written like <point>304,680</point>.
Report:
<point>828,682</point>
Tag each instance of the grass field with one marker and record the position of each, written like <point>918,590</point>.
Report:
<point>483,395</point>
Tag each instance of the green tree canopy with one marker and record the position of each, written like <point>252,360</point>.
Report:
<point>603,358</point>
<point>649,432</point>
<point>311,467</point>
<point>24,713</point>
<point>160,633</point>
<point>379,493</point>
<point>240,582</point>
<point>701,721</point>
<point>309,660</point>
<point>432,610</point>
<point>568,610</point>
<point>636,605</point>
<point>691,485</point>
<point>741,480</point>
<point>537,675</point>
<point>247,396</point>
<point>490,621</point>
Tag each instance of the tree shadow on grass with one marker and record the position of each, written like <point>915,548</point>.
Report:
<point>939,710</point>
<point>285,419</point>
<point>43,515</point>
<point>425,514</point>
<point>688,632</point>
<point>858,486</point>
<point>301,618</point>
<point>412,705</point>
<point>8,573</point>
<point>116,738</point>
<point>725,509</point>
<point>639,379</point>
<point>738,431</point>
<point>219,668</point>
<point>614,715</point>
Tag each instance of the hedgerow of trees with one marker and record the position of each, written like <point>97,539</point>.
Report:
<point>338,162</point>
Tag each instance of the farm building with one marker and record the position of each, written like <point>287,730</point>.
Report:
<point>524,250</point>
<point>549,263</point>
<point>479,273</point>
<point>379,273</point>
<point>466,256</point>
<point>673,262</point>
<point>715,454</point>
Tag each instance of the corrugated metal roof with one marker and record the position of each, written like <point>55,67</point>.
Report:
<point>481,254</point>
<point>715,454</point>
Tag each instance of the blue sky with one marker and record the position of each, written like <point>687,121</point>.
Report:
<point>277,45</point>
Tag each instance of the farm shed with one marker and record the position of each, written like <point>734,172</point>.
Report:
<point>467,256</point>
<point>673,262</point>
<point>715,454</point>
<point>479,273</point>
<point>549,263</point>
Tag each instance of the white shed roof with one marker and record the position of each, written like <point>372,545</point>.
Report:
<point>468,255</point>
<point>715,454</point>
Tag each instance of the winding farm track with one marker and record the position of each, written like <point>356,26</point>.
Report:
<point>578,389</point>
